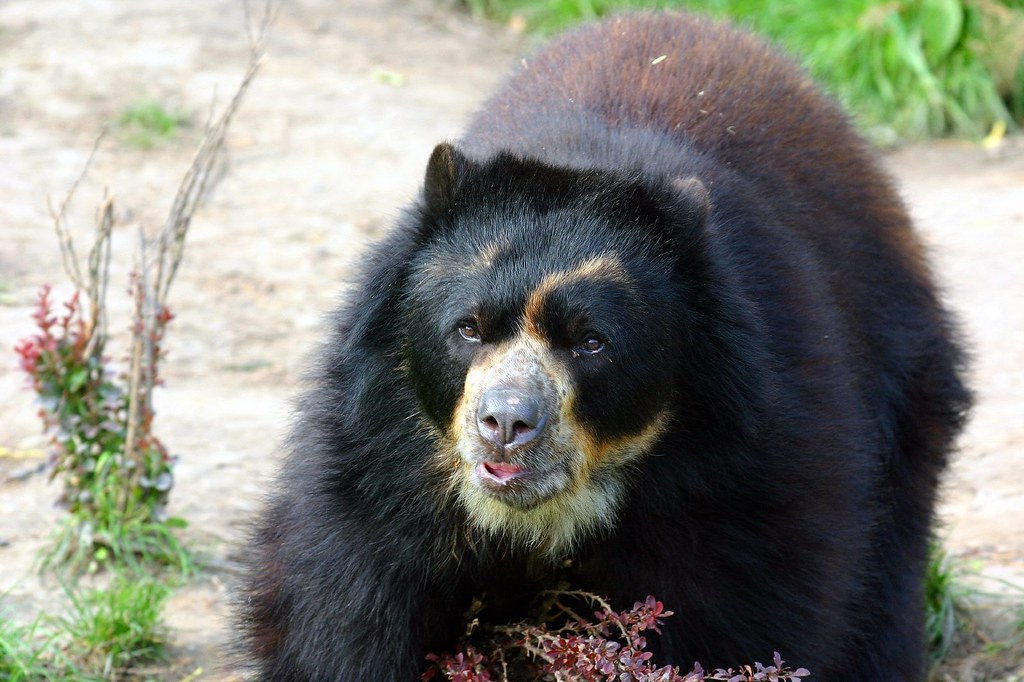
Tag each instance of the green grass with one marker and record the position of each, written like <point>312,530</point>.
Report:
<point>32,652</point>
<point>117,628</point>
<point>133,544</point>
<point>945,593</point>
<point>105,634</point>
<point>905,68</point>
<point>149,125</point>
<point>970,627</point>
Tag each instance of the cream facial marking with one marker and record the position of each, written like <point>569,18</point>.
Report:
<point>489,254</point>
<point>600,268</point>
<point>566,485</point>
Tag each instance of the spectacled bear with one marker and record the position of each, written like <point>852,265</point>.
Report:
<point>657,315</point>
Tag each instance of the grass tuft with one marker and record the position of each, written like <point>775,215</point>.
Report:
<point>32,652</point>
<point>106,634</point>
<point>115,629</point>
<point>149,125</point>
<point>135,544</point>
<point>945,593</point>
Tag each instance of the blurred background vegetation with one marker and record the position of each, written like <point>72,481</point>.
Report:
<point>906,69</point>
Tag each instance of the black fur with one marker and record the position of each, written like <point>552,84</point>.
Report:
<point>779,309</point>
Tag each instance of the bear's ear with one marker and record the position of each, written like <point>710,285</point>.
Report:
<point>445,171</point>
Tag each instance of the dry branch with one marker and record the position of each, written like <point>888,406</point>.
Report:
<point>98,263</point>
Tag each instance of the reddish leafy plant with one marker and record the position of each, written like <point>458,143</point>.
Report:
<point>113,493</point>
<point>565,646</point>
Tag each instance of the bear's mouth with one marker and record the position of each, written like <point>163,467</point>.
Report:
<point>518,485</point>
<point>499,473</point>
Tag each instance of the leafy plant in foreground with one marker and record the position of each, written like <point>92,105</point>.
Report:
<point>944,596</point>
<point>106,634</point>
<point>566,646</point>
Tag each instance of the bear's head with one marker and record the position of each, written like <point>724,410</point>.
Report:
<point>550,316</point>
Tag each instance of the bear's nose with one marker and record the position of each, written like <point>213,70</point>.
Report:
<point>509,417</point>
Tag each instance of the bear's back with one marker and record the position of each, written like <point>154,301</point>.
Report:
<point>728,93</point>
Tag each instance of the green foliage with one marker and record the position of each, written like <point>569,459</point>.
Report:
<point>149,124</point>
<point>906,68</point>
<point>971,628</point>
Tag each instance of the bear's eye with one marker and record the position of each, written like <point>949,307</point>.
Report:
<point>590,344</point>
<point>469,332</point>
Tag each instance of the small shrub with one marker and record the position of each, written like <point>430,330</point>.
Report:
<point>117,475</point>
<point>116,496</point>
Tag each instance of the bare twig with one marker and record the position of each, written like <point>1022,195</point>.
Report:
<point>587,596</point>
<point>99,277</point>
<point>194,185</point>
<point>94,284</point>
<point>140,386</point>
<point>258,40</point>
<point>67,246</point>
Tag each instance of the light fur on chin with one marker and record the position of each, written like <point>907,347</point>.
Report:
<point>555,527</point>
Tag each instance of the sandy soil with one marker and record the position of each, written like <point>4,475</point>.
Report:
<point>326,149</point>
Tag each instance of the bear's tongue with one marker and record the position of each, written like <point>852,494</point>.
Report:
<point>500,472</point>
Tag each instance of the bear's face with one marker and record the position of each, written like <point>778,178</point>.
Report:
<point>542,338</point>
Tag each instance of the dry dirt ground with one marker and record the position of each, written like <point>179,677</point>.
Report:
<point>331,141</point>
